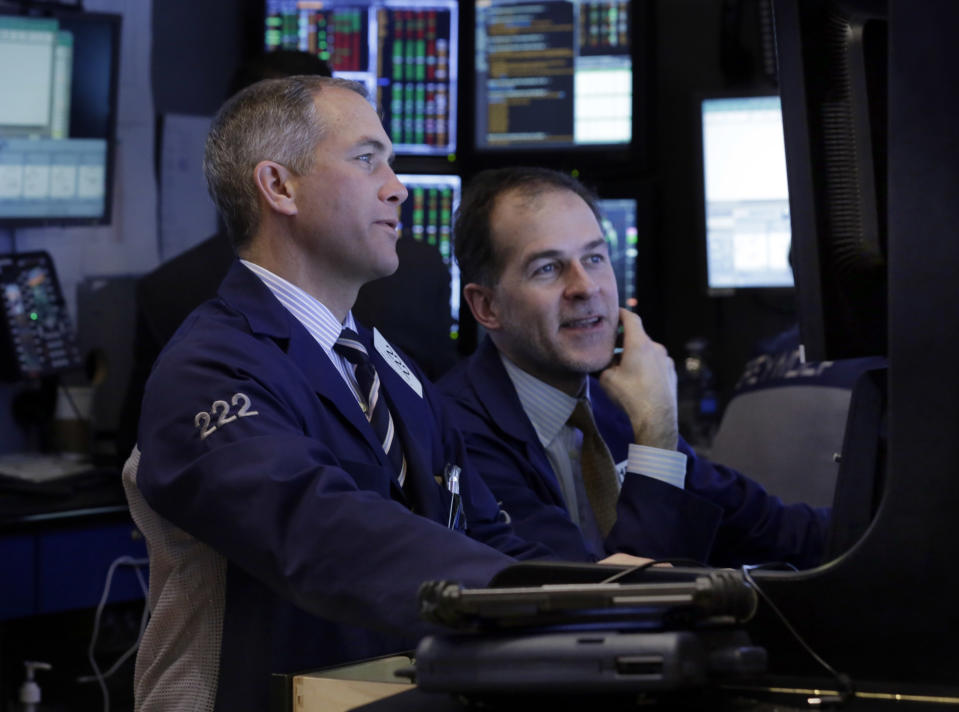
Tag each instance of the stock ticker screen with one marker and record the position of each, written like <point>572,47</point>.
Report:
<point>405,53</point>
<point>427,216</point>
<point>553,74</point>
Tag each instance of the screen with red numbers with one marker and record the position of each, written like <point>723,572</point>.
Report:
<point>406,54</point>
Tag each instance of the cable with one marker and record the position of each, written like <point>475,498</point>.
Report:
<point>73,404</point>
<point>846,689</point>
<point>101,677</point>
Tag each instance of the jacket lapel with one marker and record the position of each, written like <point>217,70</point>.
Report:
<point>413,420</point>
<point>495,391</point>
<point>244,291</point>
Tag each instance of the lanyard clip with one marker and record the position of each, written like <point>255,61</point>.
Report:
<point>451,474</point>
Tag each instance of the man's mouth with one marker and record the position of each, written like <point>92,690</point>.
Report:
<point>588,322</point>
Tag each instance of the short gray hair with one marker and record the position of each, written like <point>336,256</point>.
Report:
<point>274,119</point>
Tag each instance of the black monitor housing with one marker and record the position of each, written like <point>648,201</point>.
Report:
<point>832,77</point>
<point>883,613</point>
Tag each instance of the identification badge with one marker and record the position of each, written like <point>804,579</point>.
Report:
<point>396,363</point>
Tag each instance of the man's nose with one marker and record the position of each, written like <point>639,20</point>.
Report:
<point>393,191</point>
<point>579,282</point>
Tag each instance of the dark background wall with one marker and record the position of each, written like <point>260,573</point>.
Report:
<point>197,45</point>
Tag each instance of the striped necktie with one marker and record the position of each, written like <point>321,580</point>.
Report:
<point>599,471</point>
<point>349,346</point>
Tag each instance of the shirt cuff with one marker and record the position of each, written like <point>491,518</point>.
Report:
<point>665,465</point>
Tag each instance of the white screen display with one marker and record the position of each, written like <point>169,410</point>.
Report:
<point>746,198</point>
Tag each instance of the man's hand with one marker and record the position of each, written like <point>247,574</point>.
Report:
<point>643,383</point>
<point>621,559</point>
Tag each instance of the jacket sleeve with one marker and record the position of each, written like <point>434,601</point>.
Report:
<point>286,493</point>
<point>721,518</point>
<point>756,526</point>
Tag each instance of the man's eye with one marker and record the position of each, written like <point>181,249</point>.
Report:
<point>365,157</point>
<point>595,259</point>
<point>548,268</point>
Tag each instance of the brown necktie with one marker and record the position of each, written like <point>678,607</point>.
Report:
<point>599,471</point>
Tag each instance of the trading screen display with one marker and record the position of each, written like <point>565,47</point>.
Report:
<point>405,53</point>
<point>619,226</point>
<point>553,74</point>
<point>746,201</point>
<point>58,89</point>
<point>427,216</point>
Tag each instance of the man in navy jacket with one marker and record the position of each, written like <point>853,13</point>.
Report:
<point>539,280</point>
<point>282,536</point>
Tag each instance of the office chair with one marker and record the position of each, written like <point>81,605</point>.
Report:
<point>787,438</point>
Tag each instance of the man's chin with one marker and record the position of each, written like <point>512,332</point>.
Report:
<point>386,268</point>
<point>589,363</point>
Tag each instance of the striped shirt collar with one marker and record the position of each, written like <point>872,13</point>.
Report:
<point>309,311</point>
<point>547,408</point>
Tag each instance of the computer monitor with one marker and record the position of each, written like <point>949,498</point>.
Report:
<point>553,74</point>
<point>427,216</point>
<point>619,224</point>
<point>58,80</point>
<point>745,198</point>
<point>406,53</point>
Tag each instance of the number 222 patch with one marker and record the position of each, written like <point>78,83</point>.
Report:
<point>221,413</point>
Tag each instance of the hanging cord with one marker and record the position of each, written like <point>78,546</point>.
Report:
<point>844,682</point>
<point>65,390</point>
<point>99,676</point>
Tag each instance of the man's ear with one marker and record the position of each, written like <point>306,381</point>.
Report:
<point>480,299</point>
<point>275,183</point>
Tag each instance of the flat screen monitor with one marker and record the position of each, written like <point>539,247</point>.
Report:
<point>553,74</point>
<point>427,216</point>
<point>745,199</point>
<point>58,83</point>
<point>405,52</point>
<point>619,225</point>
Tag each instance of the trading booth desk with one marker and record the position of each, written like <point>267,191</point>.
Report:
<point>373,686</point>
<point>667,639</point>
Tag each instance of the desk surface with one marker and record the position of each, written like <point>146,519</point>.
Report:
<point>95,494</point>
<point>373,687</point>
<point>345,688</point>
